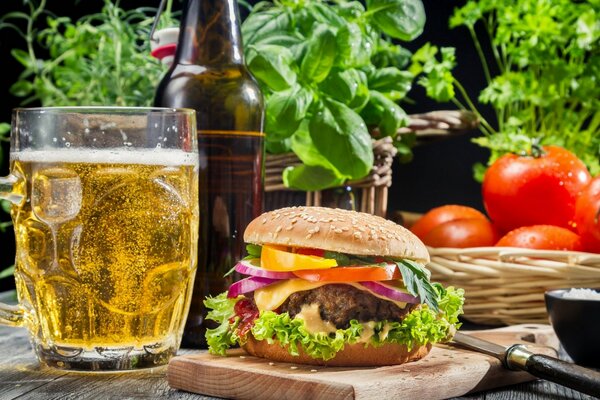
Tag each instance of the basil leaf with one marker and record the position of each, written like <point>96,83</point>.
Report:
<point>388,54</point>
<point>400,19</point>
<point>285,110</point>
<point>384,113</point>
<point>264,23</point>
<point>303,146</point>
<point>320,54</point>
<point>394,83</point>
<point>311,178</point>
<point>324,14</point>
<point>353,50</point>
<point>341,135</point>
<point>416,279</point>
<point>272,65</point>
<point>348,87</point>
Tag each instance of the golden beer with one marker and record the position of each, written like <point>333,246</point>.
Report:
<point>106,250</point>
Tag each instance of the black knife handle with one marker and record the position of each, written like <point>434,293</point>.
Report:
<point>573,376</point>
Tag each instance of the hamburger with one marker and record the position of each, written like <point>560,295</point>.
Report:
<point>333,287</point>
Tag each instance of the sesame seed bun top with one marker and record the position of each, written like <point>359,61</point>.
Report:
<point>342,231</point>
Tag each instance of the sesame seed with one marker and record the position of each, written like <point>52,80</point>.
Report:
<point>264,220</point>
<point>289,228</point>
<point>308,236</point>
<point>278,229</point>
<point>293,367</point>
<point>314,230</point>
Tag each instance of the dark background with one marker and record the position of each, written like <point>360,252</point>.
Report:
<point>440,173</point>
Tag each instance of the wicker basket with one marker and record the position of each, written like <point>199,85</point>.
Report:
<point>372,190</point>
<point>506,285</point>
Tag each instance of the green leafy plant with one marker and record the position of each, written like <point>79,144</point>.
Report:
<point>332,78</point>
<point>542,76</point>
<point>101,59</point>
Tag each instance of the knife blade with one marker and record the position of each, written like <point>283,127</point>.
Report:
<point>518,357</point>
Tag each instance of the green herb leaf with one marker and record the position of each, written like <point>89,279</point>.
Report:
<point>4,129</point>
<point>346,86</point>
<point>340,134</point>
<point>400,19</point>
<point>416,279</point>
<point>264,22</point>
<point>285,110</point>
<point>272,65</point>
<point>353,48</point>
<point>311,178</point>
<point>390,81</point>
<point>7,272</point>
<point>384,113</point>
<point>320,54</point>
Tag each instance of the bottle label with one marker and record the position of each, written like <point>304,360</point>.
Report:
<point>235,133</point>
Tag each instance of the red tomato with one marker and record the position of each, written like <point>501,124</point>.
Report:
<point>350,274</point>
<point>542,237</point>
<point>526,190</point>
<point>310,252</point>
<point>439,215</point>
<point>472,232</point>
<point>587,216</point>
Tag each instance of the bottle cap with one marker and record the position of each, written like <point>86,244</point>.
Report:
<point>163,48</point>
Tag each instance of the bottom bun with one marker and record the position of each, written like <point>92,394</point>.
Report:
<point>352,355</point>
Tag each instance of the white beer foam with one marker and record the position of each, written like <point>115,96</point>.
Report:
<point>167,157</point>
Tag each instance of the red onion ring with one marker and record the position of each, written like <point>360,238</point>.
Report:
<point>390,292</point>
<point>249,285</point>
<point>245,267</point>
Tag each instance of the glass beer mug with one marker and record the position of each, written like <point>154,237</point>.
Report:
<point>105,213</point>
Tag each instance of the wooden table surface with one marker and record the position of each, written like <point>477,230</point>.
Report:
<point>21,377</point>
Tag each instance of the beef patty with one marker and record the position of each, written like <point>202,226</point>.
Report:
<point>339,304</point>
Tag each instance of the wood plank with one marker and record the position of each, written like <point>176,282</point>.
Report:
<point>21,377</point>
<point>448,371</point>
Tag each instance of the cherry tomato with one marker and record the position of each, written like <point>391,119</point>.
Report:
<point>439,215</point>
<point>471,232</point>
<point>357,273</point>
<point>542,237</point>
<point>527,190</point>
<point>587,216</point>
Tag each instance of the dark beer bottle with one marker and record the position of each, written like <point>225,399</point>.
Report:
<point>208,74</point>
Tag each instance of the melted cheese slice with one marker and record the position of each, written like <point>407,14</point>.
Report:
<point>272,296</point>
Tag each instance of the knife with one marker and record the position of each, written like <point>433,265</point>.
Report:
<point>517,357</point>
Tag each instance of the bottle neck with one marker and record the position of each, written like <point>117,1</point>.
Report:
<point>210,33</point>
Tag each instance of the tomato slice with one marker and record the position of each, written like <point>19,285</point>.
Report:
<point>357,273</point>
<point>277,259</point>
<point>310,252</point>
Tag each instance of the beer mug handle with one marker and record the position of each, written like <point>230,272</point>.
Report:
<point>10,315</point>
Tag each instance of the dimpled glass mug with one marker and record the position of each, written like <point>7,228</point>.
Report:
<point>105,212</point>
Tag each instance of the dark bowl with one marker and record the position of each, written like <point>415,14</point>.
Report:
<point>577,326</point>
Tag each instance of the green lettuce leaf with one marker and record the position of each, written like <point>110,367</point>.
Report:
<point>224,336</point>
<point>420,327</point>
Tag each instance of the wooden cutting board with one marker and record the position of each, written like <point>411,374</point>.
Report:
<point>447,371</point>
